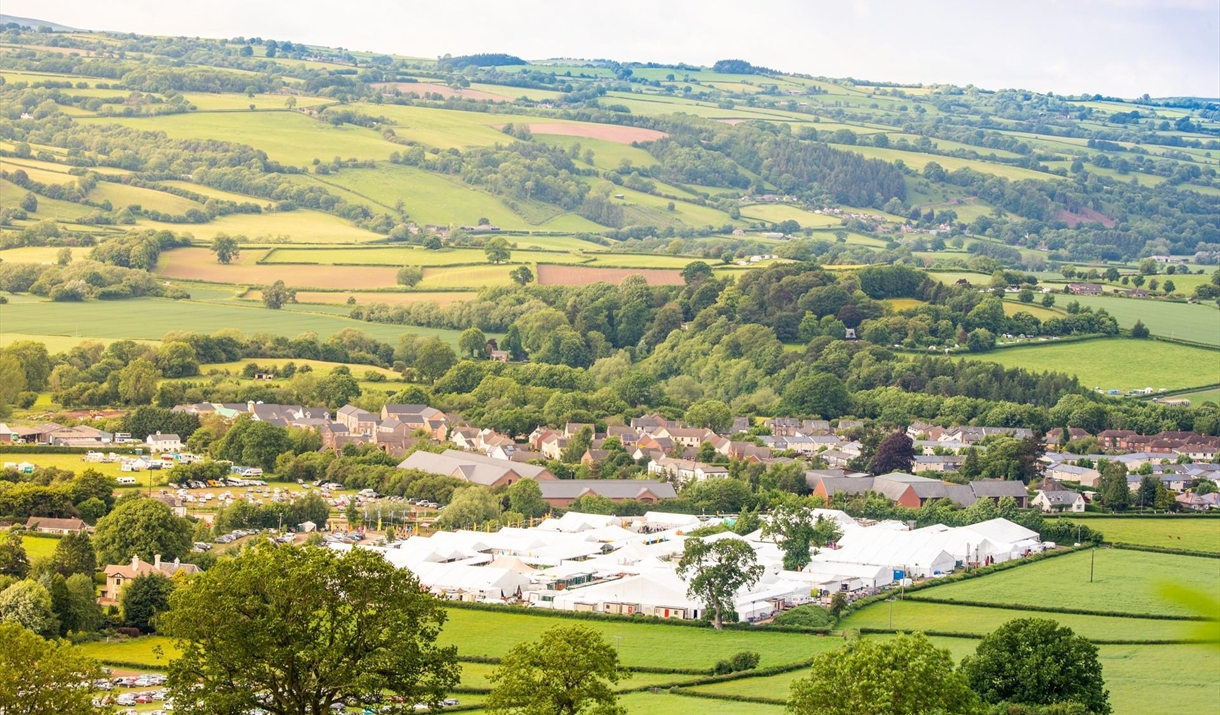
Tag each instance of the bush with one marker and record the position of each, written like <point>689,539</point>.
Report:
<point>26,400</point>
<point>810,616</point>
<point>745,660</point>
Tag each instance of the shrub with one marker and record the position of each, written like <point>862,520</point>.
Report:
<point>745,660</point>
<point>810,616</point>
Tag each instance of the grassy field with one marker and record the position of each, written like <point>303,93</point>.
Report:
<point>441,298</point>
<point>300,226</point>
<point>653,703</point>
<point>776,213</point>
<point>1189,534</point>
<point>1124,581</point>
<point>1197,398</point>
<point>71,462</point>
<point>912,615</point>
<point>607,155</point>
<point>485,633</point>
<point>152,318</point>
<point>1193,322</point>
<point>36,254</point>
<point>445,277</point>
<point>199,264</point>
<point>288,137</point>
<point>1012,307</point>
<point>1117,363</point>
<point>320,367</point>
<point>38,547</point>
<point>121,195</point>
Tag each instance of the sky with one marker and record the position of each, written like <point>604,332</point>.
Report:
<point>1112,47</point>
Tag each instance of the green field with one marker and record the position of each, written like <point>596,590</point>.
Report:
<point>1182,321</point>
<point>487,633</point>
<point>1190,534</point>
<point>73,463</point>
<point>300,226</point>
<point>1116,363</point>
<point>1123,581</point>
<point>38,547</point>
<point>776,213</point>
<point>152,318</point>
<point>1197,398</point>
<point>913,615</point>
<point>288,137</point>
<point>654,703</point>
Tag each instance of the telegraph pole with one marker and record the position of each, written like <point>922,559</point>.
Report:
<point>1092,558</point>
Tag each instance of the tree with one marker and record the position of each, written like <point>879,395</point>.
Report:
<point>176,359</point>
<point>1113,488</point>
<point>472,342</point>
<point>903,676</point>
<point>711,414</point>
<point>716,571</point>
<point>1146,493</point>
<point>225,247</point>
<point>141,527</point>
<point>1169,287</point>
<point>469,507</point>
<point>497,250</point>
<point>796,531</point>
<point>28,604</point>
<point>592,504</point>
<point>525,497</point>
<point>577,445</point>
<point>44,676</point>
<point>698,271</point>
<point>143,599</point>
<point>74,555</point>
<point>521,275</point>
<point>1035,661</point>
<point>297,629</point>
<point>83,615</point>
<point>13,559</point>
<point>410,276</point>
<point>1139,330</point>
<point>821,395</point>
<point>12,382</point>
<point>64,257</point>
<point>277,294</point>
<point>1048,300</point>
<point>569,670</point>
<point>138,382</point>
<point>980,340</point>
<point>896,453</point>
<point>434,358</point>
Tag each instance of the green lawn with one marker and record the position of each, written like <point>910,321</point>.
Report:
<point>1170,532</point>
<point>152,318</point>
<point>1194,322</point>
<point>1198,398</point>
<point>1116,363</point>
<point>1124,581</point>
<point>776,213</point>
<point>912,615</point>
<point>136,650</point>
<point>38,547</point>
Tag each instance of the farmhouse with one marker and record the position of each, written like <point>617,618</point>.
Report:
<point>1084,288</point>
<point>118,576</point>
<point>168,442</point>
<point>45,525</point>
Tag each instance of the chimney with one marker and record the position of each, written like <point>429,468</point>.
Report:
<point>135,562</point>
<point>157,561</point>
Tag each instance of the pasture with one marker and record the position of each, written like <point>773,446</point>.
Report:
<point>38,547</point>
<point>1197,398</point>
<point>1116,363</point>
<point>152,318</point>
<point>441,298</point>
<point>1012,307</point>
<point>300,226</point>
<point>1123,581</point>
<point>775,213</point>
<point>1191,534</point>
<point>1182,321</point>
<point>288,137</point>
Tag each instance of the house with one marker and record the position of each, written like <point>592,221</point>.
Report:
<point>1198,502</point>
<point>80,436</point>
<point>118,576</point>
<point>1059,500</point>
<point>934,463</point>
<point>1084,289</point>
<point>46,525</point>
<point>561,493</point>
<point>499,355</point>
<point>1085,476</point>
<point>1055,436</point>
<point>356,420</point>
<point>174,503</point>
<point>475,468</point>
<point>168,442</point>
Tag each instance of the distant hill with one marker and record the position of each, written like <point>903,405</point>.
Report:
<point>33,23</point>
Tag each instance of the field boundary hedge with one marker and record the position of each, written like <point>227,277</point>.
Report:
<point>867,630</point>
<point>1164,550</point>
<point>1142,515</point>
<point>47,449</point>
<point>1055,609</point>
<point>686,692</point>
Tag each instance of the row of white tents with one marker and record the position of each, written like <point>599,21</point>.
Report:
<point>607,564</point>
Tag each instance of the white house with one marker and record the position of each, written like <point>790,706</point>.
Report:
<point>1059,500</point>
<point>168,442</point>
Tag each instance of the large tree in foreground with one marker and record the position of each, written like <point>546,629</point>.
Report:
<point>570,670</point>
<point>38,676</point>
<point>308,628</point>
<point>904,676</point>
<point>1036,661</point>
<point>716,571</point>
<point>141,527</point>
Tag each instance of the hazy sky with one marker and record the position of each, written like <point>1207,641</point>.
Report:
<point>1114,47</point>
